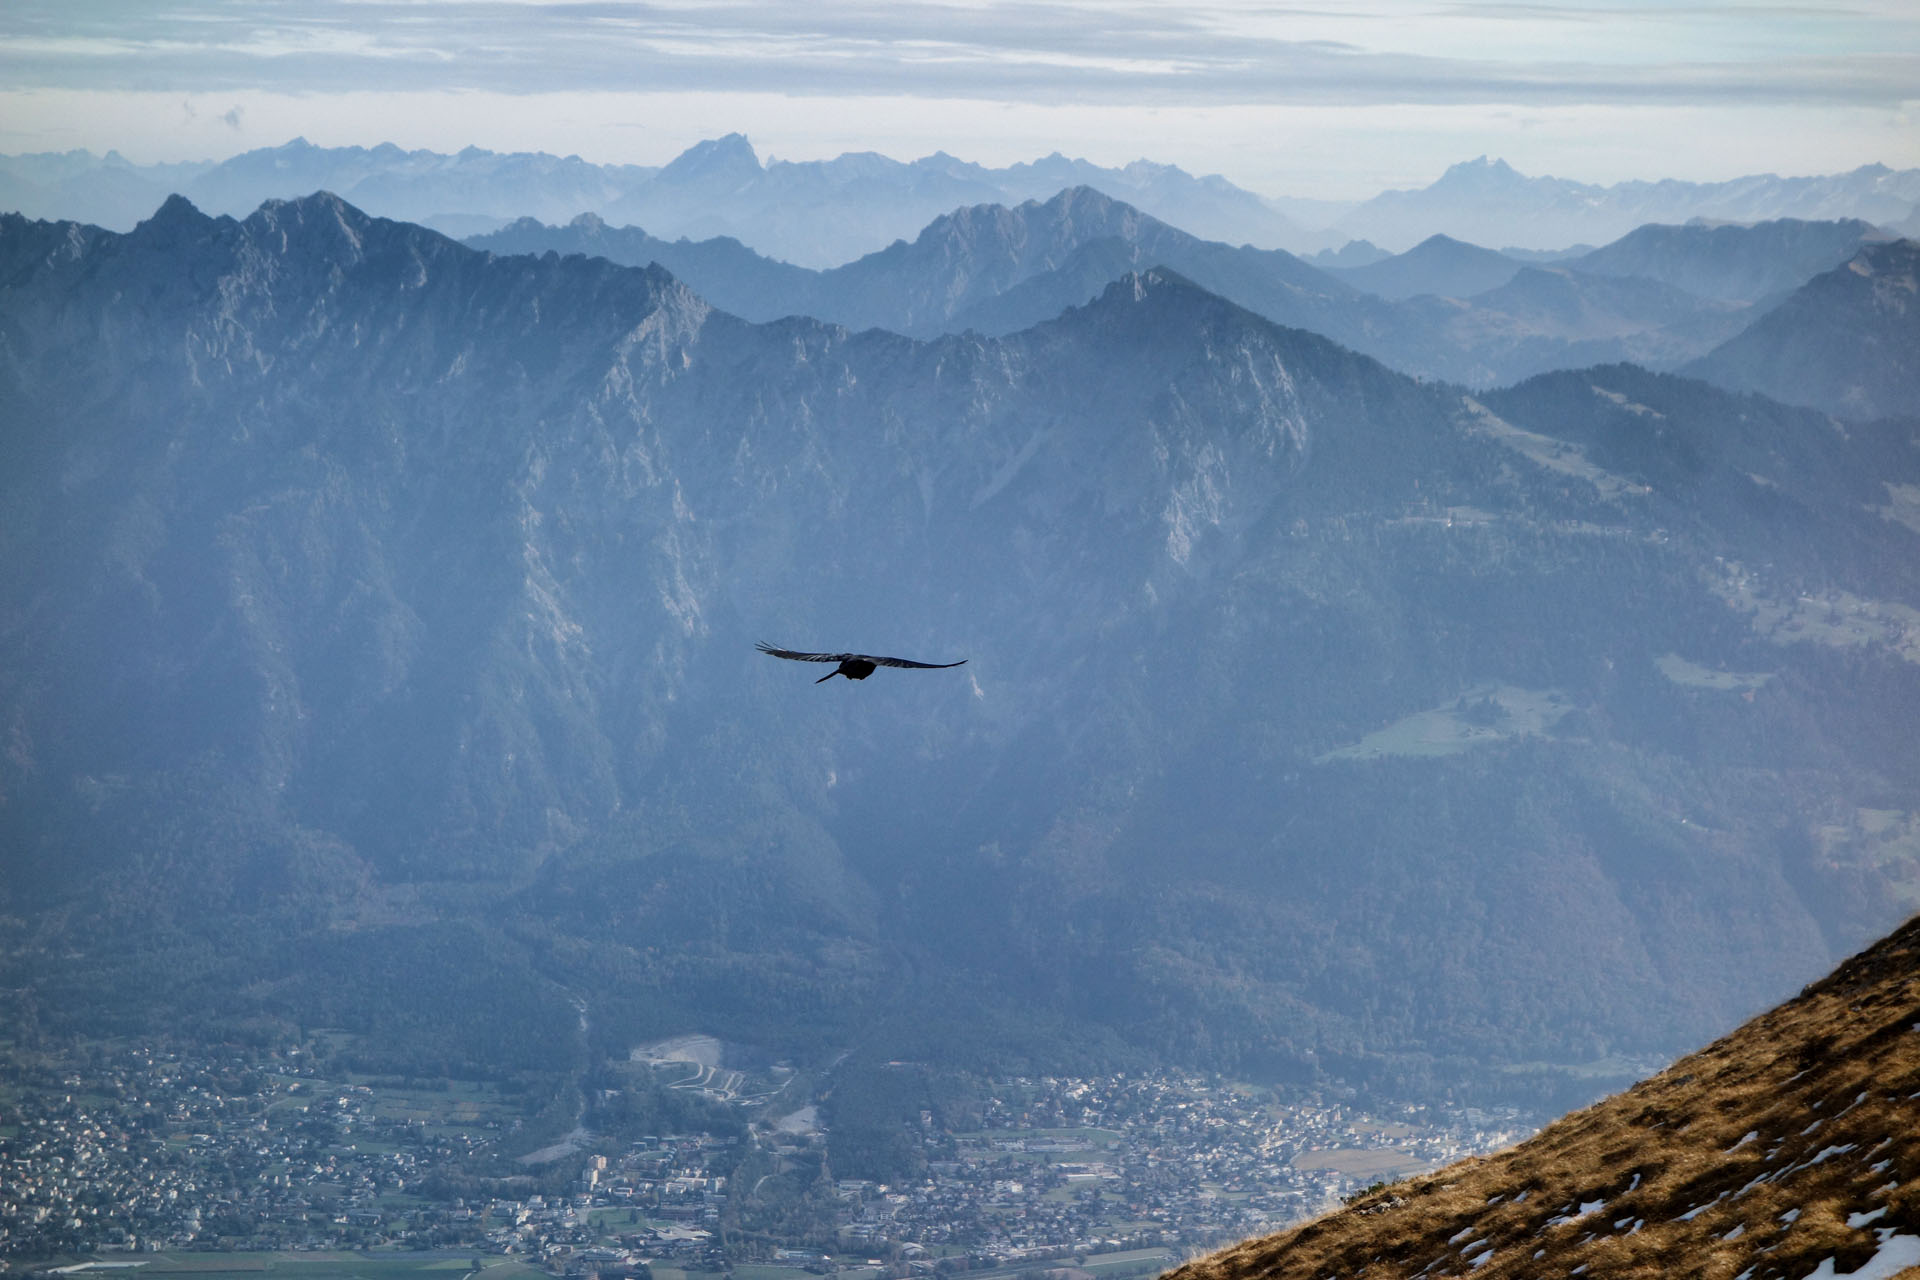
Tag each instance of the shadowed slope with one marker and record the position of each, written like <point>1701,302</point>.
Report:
<point>1844,342</point>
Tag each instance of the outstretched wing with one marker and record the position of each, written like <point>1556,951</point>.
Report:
<point>764,647</point>
<point>907,662</point>
<point>797,656</point>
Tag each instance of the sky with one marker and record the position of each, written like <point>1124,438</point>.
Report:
<point>1319,99</point>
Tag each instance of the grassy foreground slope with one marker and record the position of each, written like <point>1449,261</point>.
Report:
<point>1790,1148</point>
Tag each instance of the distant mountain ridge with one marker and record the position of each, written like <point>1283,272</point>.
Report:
<point>990,267</point>
<point>1732,263</point>
<point>1789,1148</point>
<point>1488,202</point>
<point>1452,310</point>
<point>817,213</point>
<point>826,213</point>
<point>1437,265</point>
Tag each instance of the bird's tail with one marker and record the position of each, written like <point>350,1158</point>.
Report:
<point>830,675</point>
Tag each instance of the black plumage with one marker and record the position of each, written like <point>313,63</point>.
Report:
<point>854,666</point>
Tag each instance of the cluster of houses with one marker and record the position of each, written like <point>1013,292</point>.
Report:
<point>172,1151</point>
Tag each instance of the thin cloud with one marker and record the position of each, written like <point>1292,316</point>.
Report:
<point>1222,54</point>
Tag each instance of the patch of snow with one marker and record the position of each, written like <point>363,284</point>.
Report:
<point>1753,1135</point>
<point>1736,1233</point>
<point>1699,1209</point>
<point>1635,1184</point>
<point>1859,1220</point>
<point>1461,1234</point>
<point>1827,1153</point>
<point>1521,1198</point>
<point>1790,1217</point>
<point>1896,1254</point>
<point>1810,1128</point>
<point>1571,1212</point>
<point>1480,1261</point>
<point>1858,1099</point>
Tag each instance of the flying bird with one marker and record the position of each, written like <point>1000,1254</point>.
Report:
<point>854,666</point>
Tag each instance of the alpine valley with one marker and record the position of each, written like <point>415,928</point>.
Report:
<point>377,625</point>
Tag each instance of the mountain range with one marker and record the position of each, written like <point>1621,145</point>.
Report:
<point>828,212</point>
<point>1787,1148</point>
<point>1489,202</point>
<point>817,213</point>
<point>999,270</point>
<point>377,620</point>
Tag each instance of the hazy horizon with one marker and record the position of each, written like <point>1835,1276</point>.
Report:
<point>1282,101</point>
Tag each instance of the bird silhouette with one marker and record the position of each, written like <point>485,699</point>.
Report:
<point>854,666</point>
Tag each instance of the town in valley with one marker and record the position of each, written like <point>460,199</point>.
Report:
<point>127,1151</point>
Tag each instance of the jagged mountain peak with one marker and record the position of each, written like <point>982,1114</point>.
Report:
<point>291,262</point>
<point>1481,171</point>
<point>1438,242</point>
<point>176,209</point>
<point>1080,200</point>
<point>728,158</point>
<point>1153,301</point>
<point>324,224</point>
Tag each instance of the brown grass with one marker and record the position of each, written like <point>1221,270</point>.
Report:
<point>1837,1067</point>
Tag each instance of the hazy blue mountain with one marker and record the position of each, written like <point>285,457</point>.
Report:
<point>998,270</point>
<point>376,610</point>
<point>1208,207</point>
<point>1488,202</point>
<point>416,185</point>
<point>1731,262</point>
<point>1549,318</point>
<point>989,267</point>
<point>819,213</point>
<point>108,190</point>
<point>825,213</point>
<point>722,270</point>
<point>1354,253</point>
<point>974,257</point>
<point>1847,341</point>
<point>1438,265</point>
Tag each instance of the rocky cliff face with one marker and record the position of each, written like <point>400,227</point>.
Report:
<point>1314,719</point>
